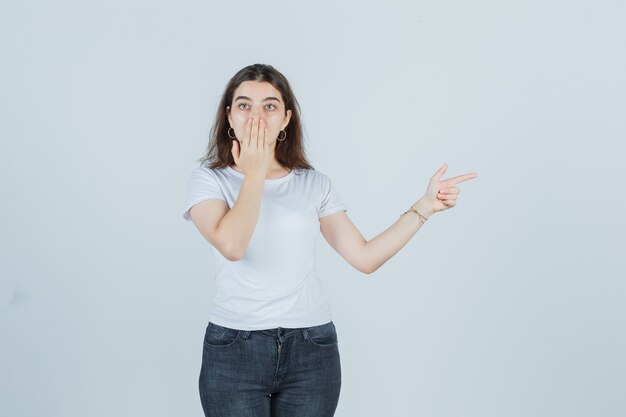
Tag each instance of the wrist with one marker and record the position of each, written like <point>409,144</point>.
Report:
<point>424,208</point>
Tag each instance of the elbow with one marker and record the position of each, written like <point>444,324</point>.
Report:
<point>233,258</point>
<point>369,271</point>
<point>229,252</point>
<point>366,268</point>
<point>229,249</point>
<point>224,247</point>
<point>365,264</point>
<point>232,255</point>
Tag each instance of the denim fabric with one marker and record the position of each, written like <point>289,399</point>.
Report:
<point>278,372</point>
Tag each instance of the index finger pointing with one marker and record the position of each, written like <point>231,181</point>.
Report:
<point>461,178</point>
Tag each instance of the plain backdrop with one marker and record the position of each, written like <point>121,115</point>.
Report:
<point>512,303</point>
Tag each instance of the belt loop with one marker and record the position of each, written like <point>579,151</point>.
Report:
<point>305,333</point>
<point>245,334</point>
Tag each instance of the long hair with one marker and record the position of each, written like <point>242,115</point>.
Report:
<point>289,152</point>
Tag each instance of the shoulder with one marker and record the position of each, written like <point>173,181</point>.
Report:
<point>312,175</point>
<point>204,171</point>
<point>313,179</point>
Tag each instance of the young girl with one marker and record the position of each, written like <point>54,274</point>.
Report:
<point>270,346</point>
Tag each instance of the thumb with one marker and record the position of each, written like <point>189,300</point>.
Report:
<point>441,171</point>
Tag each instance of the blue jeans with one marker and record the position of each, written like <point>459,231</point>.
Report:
<point>276,372</point>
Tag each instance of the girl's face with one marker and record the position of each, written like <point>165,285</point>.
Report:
<point>258,99</point>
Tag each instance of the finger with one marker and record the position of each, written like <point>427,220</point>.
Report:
<point>461,178</point>
<point>254,135</point>
<point>447,197</point>
<point>255,140</point>
<point>259,138</point>
<point>444,196</point>
<point>246,138</point>
<point>450,190</point>
<point>262,134</point>
<point>441,171</point>
<point>265,141</point>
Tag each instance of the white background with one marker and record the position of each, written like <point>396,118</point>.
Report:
<point>509,304</point>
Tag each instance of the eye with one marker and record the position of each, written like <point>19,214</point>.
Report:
<point>244,104</point>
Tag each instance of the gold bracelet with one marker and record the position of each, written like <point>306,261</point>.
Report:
<point>422,218</point>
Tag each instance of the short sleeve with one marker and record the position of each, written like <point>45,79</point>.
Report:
<point>202,185</point>
<point>331,201</point>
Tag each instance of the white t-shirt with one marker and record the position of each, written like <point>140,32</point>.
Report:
<point>274,284</point>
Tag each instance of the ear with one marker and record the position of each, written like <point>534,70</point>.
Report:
<point>286,120</point>
<point>228,113</point>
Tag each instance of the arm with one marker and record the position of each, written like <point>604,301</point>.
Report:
<point>241,220</point>
<point>230,231</point>
<point>382,247</point>
<point>368,256</point>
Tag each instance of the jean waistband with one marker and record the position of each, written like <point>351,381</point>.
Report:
<point>282,332</point>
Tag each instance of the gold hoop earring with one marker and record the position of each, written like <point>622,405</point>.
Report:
<point>228,133</point>
<point>279,139</point>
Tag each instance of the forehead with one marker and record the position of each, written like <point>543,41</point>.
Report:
<point>257,90</point>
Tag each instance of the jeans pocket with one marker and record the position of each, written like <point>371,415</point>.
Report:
<point>323,335</point>
<point>220,336</point>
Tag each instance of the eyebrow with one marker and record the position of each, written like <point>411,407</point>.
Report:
<point>248,98</point>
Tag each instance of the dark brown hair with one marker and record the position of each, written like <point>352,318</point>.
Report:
<point>289,152</point>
